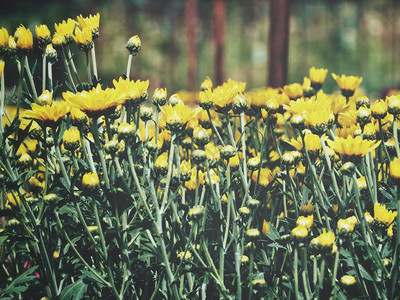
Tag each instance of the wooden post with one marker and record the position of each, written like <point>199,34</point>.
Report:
<point>219,14</point>
<point>191,38</point>
<point>278,43</point>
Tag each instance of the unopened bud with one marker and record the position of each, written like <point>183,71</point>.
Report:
<point>134,45</point>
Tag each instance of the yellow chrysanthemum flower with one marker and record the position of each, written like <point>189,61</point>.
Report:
<point>58,40</point>
<point>294,90</point>
<point>135,91</point>
<point>312,141</point>
<point>265,176</point>
<point>24,38</point>
<point>265,227</point>
<point>224,95</point>
<point>317,77</point>
<point>300,106</point>
<point>394,169</point>
<point>43,34</point>
<point>348,84</point>
<point>3,38</point>
<point>66,28</point>
<point>345,226</point>
<point>83,38</point>
<point>92,22</point>
<point>191,183</point>
<point>95,102</point>
<point>305,221</point>
<point>326,239</point>
<point>206,84</point>
<point>12,45</point>
<point>178,116</point>
<point>346,131</point>
<point>319,118</point>
<point>383,216</point>
<point>213,176</point>
<point>50,115</point>
<point>352,148</point>
<point>212,152</point>
<point>13,199</point>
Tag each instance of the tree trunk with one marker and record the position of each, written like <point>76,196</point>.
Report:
<point>278,43</point>
<point>219,14</point>
<point>191,34</point>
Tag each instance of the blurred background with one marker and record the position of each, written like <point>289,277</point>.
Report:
<point>183,41</point>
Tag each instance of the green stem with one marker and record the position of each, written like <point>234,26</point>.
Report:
<point>104,247</point>
<point>59,223</point>
<point>169,173</point>
<point>59,158</point>
<point>243,134</point>
<point>100,150</point>
<point>251,268</point>
<point>296,272</point>
<point>71,62</point>
<point>66,66</point>
<point>93,52</point>
<point>50,75</point>
<point>142,195</point>
<point>89,73</point>
<point>215,128</point>
<point>335,268</point>
<point>43,72</point>
<point>21,70</point>
<point>30,77</point>
<point>396,136</point>
<point>128,67</point>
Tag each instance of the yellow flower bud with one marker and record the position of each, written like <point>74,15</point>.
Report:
<point>50,198</point>
<point>184,255</point>
<point>253,233</point>
<point>379,109</point>
<point>46,98</point>
<point>71,139</point>
<point>90,181</point>
<point>161,164</point>
<point>305,221</point>
<point>393,103</point>
<point>126,131</point>
<point>299,233</point>
<point>348,280</point>
<point>206,84</point>
<point>196,212</point>
<point>159,97</point>
<point>134,45</point>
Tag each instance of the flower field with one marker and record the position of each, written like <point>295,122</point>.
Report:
<point>119,192</point>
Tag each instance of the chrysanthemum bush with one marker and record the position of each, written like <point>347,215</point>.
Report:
<point>107,192</point>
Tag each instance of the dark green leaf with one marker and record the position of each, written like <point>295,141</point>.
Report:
<point>74,291</point>
<point>19,284</point>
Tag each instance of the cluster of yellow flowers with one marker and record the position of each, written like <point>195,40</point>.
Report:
<point>308,170</point>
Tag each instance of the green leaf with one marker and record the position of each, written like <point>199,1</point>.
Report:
<point>19,284</point>
<point>2,239</point>
<point>74,291</point>
<point>365,274</point>
<point>274,234</point>
<point>90,276</point>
